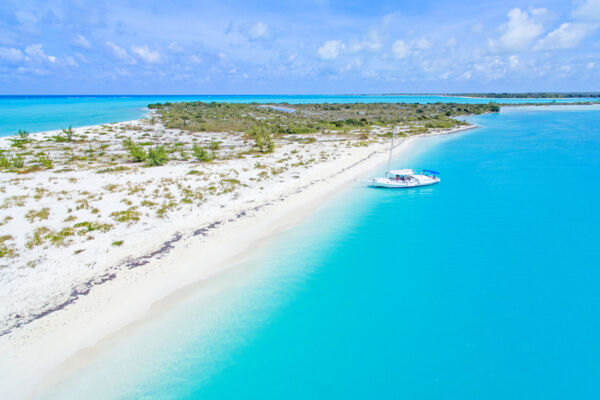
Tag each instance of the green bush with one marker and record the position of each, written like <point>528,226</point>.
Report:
<point>135,151</point>
<point>44,160</point>
<point>201,154</point>
<point>214,144</point>
<point>262,138</point>
<point>18,161</point>
<point>156,156</point>
<point>4,161</point>
<point>21,139</point>
<point>67,135</point>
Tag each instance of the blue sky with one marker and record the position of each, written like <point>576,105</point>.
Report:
<point>301,46</point>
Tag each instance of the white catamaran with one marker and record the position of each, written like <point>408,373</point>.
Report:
<point>404,178</point>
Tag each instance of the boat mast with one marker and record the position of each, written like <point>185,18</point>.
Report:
<point>387,174</point>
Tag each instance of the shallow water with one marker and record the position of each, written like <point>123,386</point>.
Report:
<point>43,113</point>
<point>484,286</point>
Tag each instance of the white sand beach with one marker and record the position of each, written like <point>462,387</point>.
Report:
<point>123,239</point>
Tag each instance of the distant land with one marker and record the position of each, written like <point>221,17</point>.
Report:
<point>531,95</point>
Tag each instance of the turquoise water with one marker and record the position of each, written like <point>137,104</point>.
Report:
<point>43,113</point>
<point>482,287</point>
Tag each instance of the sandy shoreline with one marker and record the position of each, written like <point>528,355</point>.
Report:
<point>47,347</point>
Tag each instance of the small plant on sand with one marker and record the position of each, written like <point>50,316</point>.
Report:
<point>4,161</point>
<point>262,138</point>
<point>184,155</point>
<point>129,215</point>
<point>164,208</point>
<point>44,160</point>
<point>20,139</point>
<point>41,215</point>
<point>117,243</point>
<point>67,135</point>
<point>17,161</point>
<point>84,228</point>
<point>135,151</point>
<point>214,144</point>
<point>37,237</point>
<point>60,238</point>
<point>201,154</point>
<point>115,169</point>
<point>156,156</point>
<point>6,251</point>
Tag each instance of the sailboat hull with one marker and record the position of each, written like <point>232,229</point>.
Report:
<point>399,184</point>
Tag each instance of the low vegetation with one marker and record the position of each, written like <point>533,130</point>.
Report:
<point>262,122</point>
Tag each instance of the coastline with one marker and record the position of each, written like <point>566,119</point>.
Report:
<point>170,265</point>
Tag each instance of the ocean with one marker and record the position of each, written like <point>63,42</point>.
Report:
<point>43,113</point>
<point>482,287</point>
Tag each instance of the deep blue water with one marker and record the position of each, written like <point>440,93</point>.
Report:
<point>485,286</point>
<point>42,113</point>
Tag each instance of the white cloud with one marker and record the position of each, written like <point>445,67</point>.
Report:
<point>421,44</point>
<point>589,10</point>
<point>121,53</point>
<point>258,30</point>
<point>591,65</point>
<point>81,41</point>
<point>566,36</point>
<point>36,51</point>
<point>467,75</point>
<point>477,28</point>
<point>371,44</point>
<point>149,56</point>
<point>520,30</point>
<point>331,49</point>
<point>400,49</point>
<point>195,59</point>
<point>513,61</point>
<point>10,54</point>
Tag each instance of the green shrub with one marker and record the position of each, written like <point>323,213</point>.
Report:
<point>44,160</point>
<point>262,138</point>
<point>156,156</point>
<point>184,155</point>
<point>117,243</point>
<point>21,139</point>
<point>4,161</point>
<point>67,135</point>
<point>135,151</point>
<point>18,161</point>
<point>214,144</point>
<point>201,154</point>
